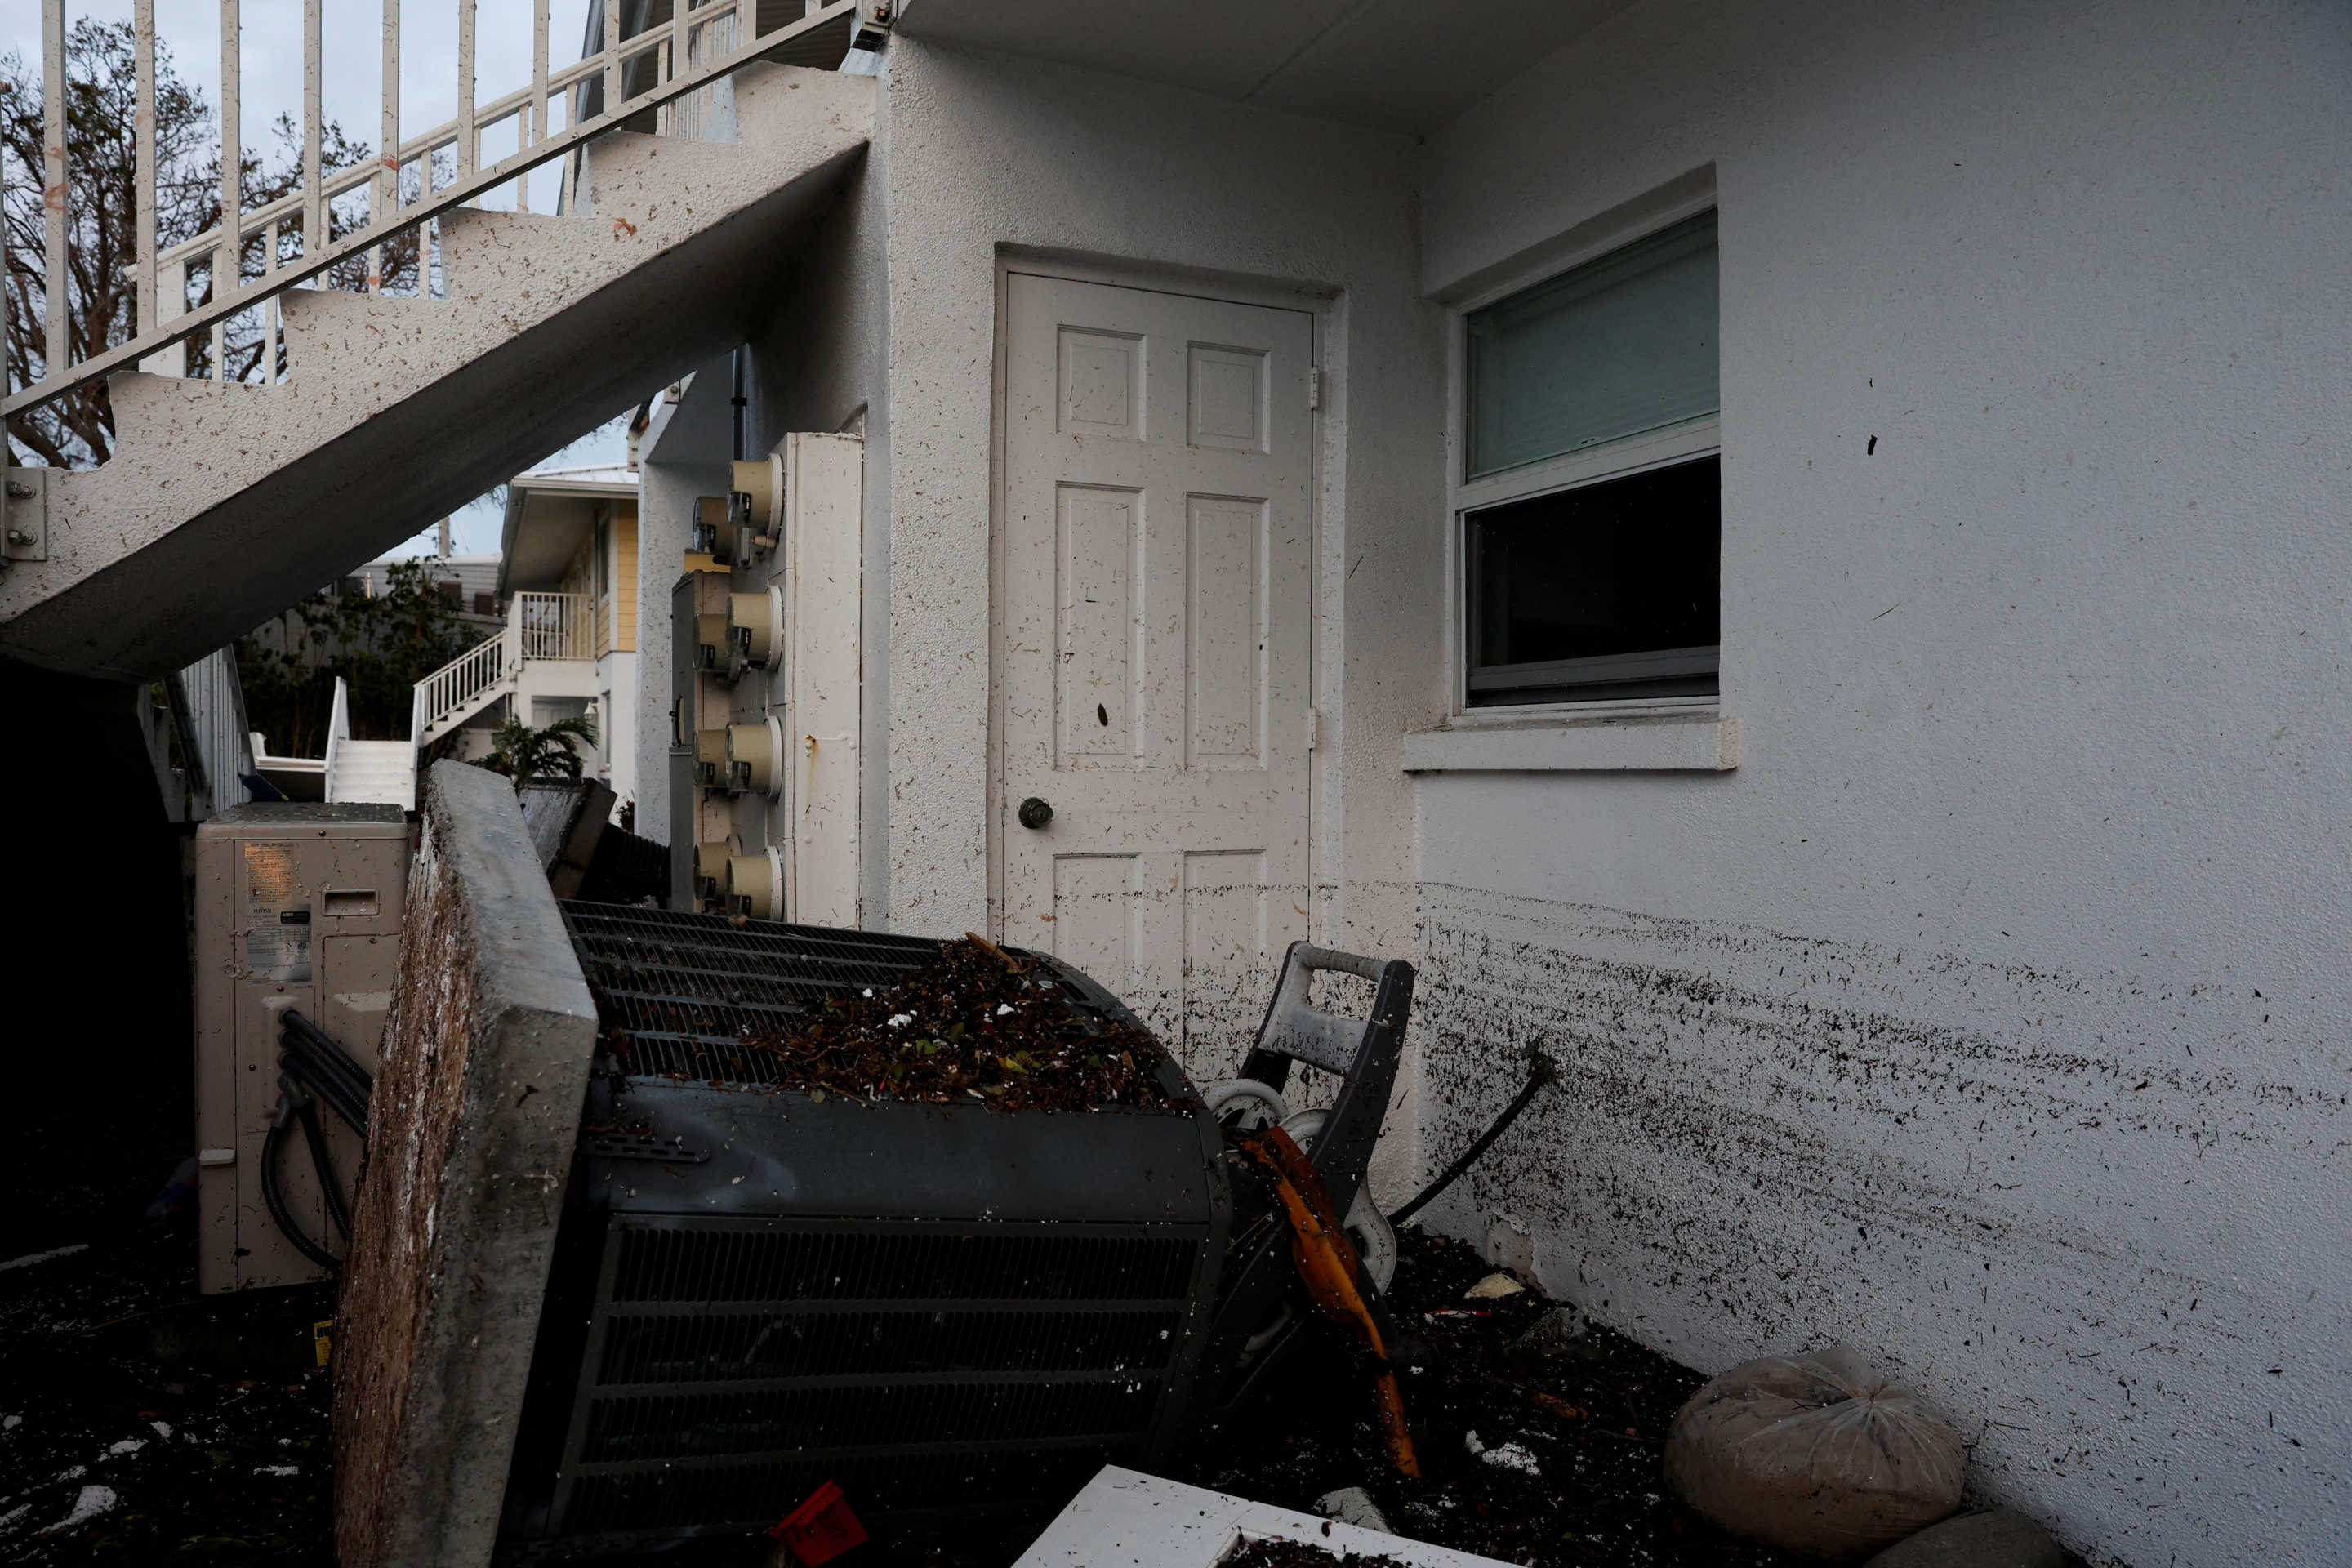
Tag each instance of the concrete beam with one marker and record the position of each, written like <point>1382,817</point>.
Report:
<point>470,1138</point>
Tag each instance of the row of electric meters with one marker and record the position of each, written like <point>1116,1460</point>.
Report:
<point>765,771</point>
<point>731,746</point>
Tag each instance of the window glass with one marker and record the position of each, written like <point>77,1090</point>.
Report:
<point>1624,344</point>
<point>1608,590</point>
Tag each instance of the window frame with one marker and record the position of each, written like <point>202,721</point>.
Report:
<point>1681,442</point>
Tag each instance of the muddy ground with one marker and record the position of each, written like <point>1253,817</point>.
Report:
<point>205,1421</point>
<point>199,1425</point>
<point>1589,1415</point>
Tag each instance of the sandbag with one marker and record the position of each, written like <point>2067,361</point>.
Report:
<point>1817,1455</point>
<point>2000,1539</point>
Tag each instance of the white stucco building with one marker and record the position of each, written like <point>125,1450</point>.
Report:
<point>1948,963</point>
<point>1791,556</point>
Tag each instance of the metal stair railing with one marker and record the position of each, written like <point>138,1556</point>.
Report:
<point>698,46</point>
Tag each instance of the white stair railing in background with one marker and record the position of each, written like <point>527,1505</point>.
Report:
<point>452,689</point>
<point>539,625</point>
<point>697,46</point>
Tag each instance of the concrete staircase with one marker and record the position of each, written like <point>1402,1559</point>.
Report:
<point>222,504</point>
<point>382,772</point>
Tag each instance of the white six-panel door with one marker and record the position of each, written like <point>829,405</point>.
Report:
<point>1157,603</point>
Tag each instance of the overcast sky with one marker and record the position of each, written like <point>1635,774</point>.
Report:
<point>352,79</point>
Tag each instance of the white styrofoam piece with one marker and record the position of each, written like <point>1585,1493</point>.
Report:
<point>1135,1520</point>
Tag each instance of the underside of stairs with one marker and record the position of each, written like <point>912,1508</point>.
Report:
<point>223,504</point>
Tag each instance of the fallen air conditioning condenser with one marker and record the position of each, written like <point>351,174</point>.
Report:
<point>951,1311</point>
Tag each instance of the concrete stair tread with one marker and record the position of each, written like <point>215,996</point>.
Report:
<point>382,772</point>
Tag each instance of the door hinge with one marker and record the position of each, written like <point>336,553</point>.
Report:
<point>1314,387</point>
<point>1314,728</point>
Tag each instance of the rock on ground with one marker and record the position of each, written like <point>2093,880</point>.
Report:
<point>1563,1331</point>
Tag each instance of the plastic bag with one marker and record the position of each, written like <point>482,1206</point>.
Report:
<point>1816,1455</point>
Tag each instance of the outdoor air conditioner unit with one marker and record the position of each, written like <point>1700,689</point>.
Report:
<point>957,1314</point>
<point>298,907</point>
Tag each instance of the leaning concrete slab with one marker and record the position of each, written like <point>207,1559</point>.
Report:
<point>469,1143</point>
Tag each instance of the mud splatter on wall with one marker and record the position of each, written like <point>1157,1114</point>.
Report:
<point>2050,1201</point>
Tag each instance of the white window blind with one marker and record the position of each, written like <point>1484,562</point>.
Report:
<point>1609,350</point>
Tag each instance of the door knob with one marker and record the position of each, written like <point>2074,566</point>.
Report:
<point>1035,813</point>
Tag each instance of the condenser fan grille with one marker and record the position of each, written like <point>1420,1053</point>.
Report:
<point>715,1264</point>
<point>681,1497</point>
<point>729,1354</point>
<point>959,1314</point>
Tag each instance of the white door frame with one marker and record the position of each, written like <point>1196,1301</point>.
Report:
<point>1322,770</point>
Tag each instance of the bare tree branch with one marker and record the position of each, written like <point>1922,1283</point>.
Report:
<point>102,217</point>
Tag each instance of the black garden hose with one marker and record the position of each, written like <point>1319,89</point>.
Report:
<point>313,1068</point>
<point>1539,1073</point>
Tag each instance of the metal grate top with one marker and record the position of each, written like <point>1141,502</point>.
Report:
<point>685,988</point>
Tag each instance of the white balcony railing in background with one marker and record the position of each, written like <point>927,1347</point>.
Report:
<point>670,61</point>
<point>553,626</point>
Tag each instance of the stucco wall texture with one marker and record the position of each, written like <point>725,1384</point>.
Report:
<point>1992,1015</point>
<point>1988,1016</point>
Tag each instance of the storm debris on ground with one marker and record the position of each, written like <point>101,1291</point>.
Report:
<point>143,1424</point>
<point>1582,1417</point>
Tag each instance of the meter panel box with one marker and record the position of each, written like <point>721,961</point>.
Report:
<point>701,704</point>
